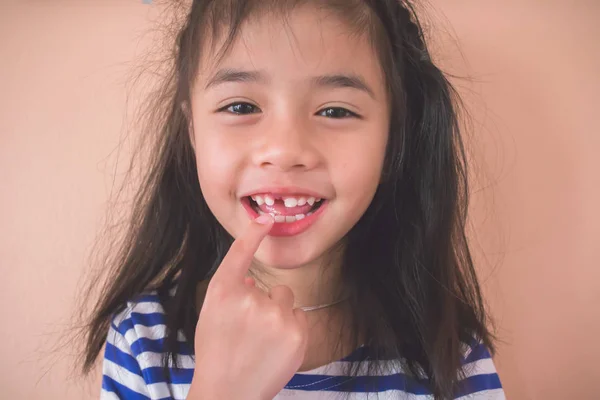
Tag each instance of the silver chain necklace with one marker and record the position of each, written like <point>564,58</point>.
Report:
<point>320,306</point>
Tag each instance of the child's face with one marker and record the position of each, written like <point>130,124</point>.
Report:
<point>291,114</point>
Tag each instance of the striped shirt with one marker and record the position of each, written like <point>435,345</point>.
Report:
<point>133,368</point>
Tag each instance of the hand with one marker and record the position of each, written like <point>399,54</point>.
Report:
<point>248,343</point>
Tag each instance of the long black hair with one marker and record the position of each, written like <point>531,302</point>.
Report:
<point>413,289</point>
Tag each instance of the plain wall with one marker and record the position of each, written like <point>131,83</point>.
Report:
<point>533,72</point>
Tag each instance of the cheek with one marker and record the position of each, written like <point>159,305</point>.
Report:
<point>357,186</point>
<point>217,163</point>
<point>358,173</point>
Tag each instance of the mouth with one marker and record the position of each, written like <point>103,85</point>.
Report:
<point>292,214</point>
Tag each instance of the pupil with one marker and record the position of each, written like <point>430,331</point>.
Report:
<point>335,113</point>
<point>242,108</point>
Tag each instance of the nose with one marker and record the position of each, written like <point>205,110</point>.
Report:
<point>287,145</point>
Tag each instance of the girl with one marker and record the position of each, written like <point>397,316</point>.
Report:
<point>301,232</point>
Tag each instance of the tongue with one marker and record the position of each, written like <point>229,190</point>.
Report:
<point>280,209</point>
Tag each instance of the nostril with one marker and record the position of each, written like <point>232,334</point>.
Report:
<point>283,166</point>
<point>285,158</point>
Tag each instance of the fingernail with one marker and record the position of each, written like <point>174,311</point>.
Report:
<point>264,219</point>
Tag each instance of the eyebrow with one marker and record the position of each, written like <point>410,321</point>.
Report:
<point>343,81</point>
<point>235,75</point>
<point>334,81</point>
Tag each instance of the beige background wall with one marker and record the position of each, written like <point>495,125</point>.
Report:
<point>534,69</point>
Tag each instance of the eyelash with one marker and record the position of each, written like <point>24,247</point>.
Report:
<point>347,113</point>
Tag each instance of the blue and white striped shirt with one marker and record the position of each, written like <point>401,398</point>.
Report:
<point>133,368</point>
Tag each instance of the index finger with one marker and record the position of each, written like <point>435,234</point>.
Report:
<point>238,259</point>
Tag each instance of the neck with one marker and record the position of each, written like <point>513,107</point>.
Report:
<point>313,284</point>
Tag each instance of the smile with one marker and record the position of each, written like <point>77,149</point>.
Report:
<point>292,214</point>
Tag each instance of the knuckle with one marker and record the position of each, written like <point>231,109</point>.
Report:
<point>249,303</point>
<point>295,336</point>
<point>274,317</point>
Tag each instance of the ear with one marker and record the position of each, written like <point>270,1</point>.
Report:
<point>187,114</point>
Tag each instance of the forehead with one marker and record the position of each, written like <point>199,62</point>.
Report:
<point>305,41</point>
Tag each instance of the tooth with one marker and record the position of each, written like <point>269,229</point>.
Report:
<point>290,202</point>
<point>253,198</point>
<point>290,218</point>
<point>318,200</point>
<point>259,200</point>
<point>300,216</point>
<point>310,201</point>
<point>301,201</point>
<point>269,200</point>
<point>279,218</point>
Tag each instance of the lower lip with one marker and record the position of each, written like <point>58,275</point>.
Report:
<point>288,228</point>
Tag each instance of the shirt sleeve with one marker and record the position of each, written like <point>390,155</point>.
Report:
<point>122,377</point>
<point>480,380</point>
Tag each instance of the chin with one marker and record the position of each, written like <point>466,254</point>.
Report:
<point>281,260</point>
<point>291,253</point>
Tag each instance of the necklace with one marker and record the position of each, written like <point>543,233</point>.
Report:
<point>320,306</point>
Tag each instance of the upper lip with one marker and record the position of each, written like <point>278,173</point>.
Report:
<point>295,191</point>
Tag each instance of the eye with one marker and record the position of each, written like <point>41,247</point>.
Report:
<point>240,108</point>
<point>337,113</point>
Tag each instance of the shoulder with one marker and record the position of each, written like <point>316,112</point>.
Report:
<point>140,329</point>
<point>479,378</point>
<point>145,310</point>
<point>142,318</point>
<point>135,352</point>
